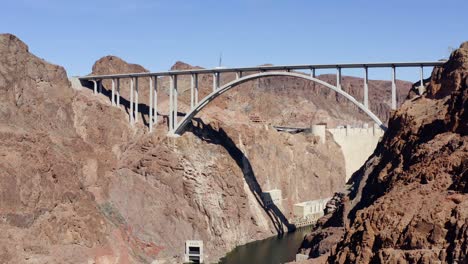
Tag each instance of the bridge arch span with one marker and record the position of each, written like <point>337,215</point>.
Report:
<point>180,128</point>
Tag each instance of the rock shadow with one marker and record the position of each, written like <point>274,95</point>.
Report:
<point>219,137</point>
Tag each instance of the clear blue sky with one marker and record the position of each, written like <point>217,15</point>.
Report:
<point>157,33</point>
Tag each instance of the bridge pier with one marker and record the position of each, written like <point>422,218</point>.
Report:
<point>118,92</point>
<point>338,78</point>
<point>422,89</point>
<point>366,87</point>
<point>312,72</point>
<point>171,102</point>
<point>193,90</point>
<point>173,94</point>
<point>131,101</point>
<point>176,94</point>
<point>150,104</point>
<point>215,81</point>
<point>136,100</point>
<point>394,102</point>
<point>155,101</point>
<point>95,86</point>
<point>100,86</point>
<point>113,92</point>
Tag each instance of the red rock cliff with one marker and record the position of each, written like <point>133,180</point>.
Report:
<point>409,202</point>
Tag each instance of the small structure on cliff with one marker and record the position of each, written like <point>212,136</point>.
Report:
<point>193,251</point>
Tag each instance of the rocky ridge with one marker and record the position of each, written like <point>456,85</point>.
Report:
<point>409,202</point>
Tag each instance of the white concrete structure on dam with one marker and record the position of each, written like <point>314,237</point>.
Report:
<point>357,144</point>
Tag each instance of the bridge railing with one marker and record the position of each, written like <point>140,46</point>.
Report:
<point>239,71</point>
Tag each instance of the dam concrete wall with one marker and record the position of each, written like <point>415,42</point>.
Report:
<point>357,144</point>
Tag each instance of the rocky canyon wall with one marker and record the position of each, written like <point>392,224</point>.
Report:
<point>409,202</point>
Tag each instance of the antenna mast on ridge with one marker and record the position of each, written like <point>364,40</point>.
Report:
<point>220,59</point>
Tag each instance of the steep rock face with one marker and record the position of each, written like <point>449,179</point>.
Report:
<point>409,202</point>
<point>43,202</point>
<point>22,106</point>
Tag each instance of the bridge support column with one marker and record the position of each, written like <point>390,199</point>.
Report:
<point>215,81</point>
<point>176,95</point>
<point>194,91</point>
<point>95,86</point>
<point>312,74</point>
<point>131,101</point>
<point>136,100</point>
<point>100,86</point>
<point>155,101</point>
<point>422,89</point>
<point>366,87</point>
<point>394,99</point>
<point>113,92</point>
<point>171,104</point>
<point>338,77</point>
<point>118,92</point>
<point>151,104</point>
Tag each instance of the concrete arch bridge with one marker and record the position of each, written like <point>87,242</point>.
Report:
<point>177,127</point>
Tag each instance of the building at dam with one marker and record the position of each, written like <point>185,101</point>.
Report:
<point>307,213</point>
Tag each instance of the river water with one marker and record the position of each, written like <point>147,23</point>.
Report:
<point>272,250</point>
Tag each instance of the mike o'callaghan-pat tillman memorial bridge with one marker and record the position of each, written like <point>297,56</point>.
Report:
<point>243,74</point>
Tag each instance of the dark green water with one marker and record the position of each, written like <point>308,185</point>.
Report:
<point>272,250</point>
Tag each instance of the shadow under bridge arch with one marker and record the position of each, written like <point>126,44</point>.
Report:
<point>182,125</point>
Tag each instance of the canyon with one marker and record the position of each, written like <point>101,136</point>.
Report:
<point>79,184</point>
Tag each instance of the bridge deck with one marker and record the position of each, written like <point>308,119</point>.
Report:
<point>269,68</point>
